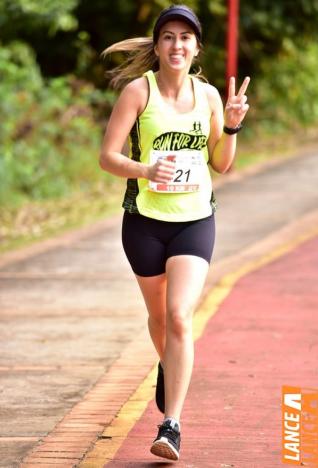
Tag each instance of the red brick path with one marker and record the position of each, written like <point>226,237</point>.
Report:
<point>263,336</point>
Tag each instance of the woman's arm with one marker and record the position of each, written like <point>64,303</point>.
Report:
<point>222,146</point>
<point>129,105</point>
<point>122,119</point>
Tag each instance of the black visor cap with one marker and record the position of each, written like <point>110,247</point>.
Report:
<point>177,14</point>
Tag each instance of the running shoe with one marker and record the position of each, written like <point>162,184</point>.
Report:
<point>160,389</point>
<point>167,442</point>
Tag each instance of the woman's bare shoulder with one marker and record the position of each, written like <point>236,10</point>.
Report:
<point>137,85</point>
<point>137,91</point>
<point>211,91</point>
<point>212,95</point>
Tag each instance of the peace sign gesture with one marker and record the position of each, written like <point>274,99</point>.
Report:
<point>236,107</point>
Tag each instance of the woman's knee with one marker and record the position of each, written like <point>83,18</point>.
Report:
<point>179,322</point>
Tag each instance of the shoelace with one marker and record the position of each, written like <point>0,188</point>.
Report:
<point>172,432</point>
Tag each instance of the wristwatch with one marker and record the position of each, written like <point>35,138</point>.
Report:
<point>232,131</point>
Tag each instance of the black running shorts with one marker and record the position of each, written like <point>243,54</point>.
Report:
<point>148,243</point>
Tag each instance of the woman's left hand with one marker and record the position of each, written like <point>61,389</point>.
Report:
<point>236,107</point>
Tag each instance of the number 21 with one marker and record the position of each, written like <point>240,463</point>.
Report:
<point>180,173</point>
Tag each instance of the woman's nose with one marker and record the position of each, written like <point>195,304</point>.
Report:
<point>177,43</point>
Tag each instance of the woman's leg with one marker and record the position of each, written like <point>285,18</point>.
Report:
<point>154,289</point>
<point>186,275</point>
<point>170,297</point>
<point>147,256</point>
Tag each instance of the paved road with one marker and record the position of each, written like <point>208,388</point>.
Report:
<point>70,308</point>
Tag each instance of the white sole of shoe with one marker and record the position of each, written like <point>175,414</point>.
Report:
<point>162,448</point>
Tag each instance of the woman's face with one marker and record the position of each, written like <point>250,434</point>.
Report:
<point>177,45</point>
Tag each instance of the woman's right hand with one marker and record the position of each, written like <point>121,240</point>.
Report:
<point>162,171</point>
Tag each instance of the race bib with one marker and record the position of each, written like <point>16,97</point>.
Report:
<point>188,171</point>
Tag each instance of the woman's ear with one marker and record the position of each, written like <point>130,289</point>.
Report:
<point>155,48</point>
<point>198,49</point>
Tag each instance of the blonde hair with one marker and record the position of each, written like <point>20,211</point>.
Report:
<point>141,57</point>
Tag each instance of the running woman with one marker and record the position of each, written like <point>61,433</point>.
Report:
<point>176,127</point>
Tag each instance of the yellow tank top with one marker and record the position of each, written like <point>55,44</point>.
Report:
<point>177,136</point>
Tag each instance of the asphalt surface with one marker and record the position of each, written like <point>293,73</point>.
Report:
<point>70,307</point>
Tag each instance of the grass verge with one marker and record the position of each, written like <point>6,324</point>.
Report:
<point>41,220</point>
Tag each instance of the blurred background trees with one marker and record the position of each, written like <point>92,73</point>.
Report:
<point>54,98</point>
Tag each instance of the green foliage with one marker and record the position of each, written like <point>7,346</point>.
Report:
<point>268,28</point>
<point>287,91</point>
<point>50,137</point>
<point>69,35</point>
<point>53,101</point>
<point>29,15</point>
